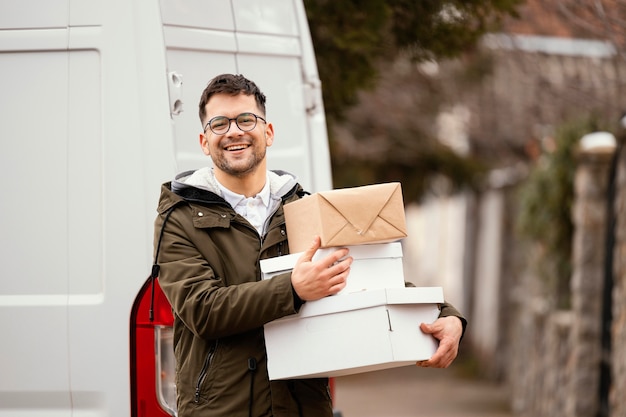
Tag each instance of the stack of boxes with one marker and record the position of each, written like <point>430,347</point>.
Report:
<point>372,323</point>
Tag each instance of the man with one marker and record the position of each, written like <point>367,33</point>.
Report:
<point>222,221</point>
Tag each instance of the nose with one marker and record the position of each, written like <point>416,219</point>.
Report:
<point>233,131</point>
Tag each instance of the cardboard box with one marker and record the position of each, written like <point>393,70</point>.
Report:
<point>358,332</point>
<point>376,266</point>
<point>347,216</point>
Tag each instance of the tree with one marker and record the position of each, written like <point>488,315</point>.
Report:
<point>351,37</point>
<point>357,44</point>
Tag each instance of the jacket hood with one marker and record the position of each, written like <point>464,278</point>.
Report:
<point>203,180</point>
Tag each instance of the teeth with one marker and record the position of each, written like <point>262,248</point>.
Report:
<point>236,147</point>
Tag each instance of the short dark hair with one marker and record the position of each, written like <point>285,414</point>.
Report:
<point>230,84</point>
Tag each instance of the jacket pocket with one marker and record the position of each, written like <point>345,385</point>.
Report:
<point>204,371</point>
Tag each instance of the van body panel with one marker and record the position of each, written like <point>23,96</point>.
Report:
<point>275,17</point>
<point>36,231</point>
<point>202,14</point>
<point>34,14</point>
<point>99,108</point>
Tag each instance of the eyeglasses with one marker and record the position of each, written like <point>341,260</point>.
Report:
<point>221,124</point>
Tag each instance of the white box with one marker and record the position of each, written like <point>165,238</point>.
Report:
<point>376,266</point>
<point>353,333</point>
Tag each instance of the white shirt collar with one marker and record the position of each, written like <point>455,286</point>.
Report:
<point>235,199</point>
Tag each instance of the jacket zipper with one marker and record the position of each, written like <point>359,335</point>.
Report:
<point>268,219</point>
<point>204,371</point>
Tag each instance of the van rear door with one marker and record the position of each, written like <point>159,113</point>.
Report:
<point>267,41</point>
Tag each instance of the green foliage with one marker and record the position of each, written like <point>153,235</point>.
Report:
<point>354,25</point>
<point>348,37</point>
<point>392,136</point>
<point>546,201</point>
<point>440,29</point>
<point>357,43</point>
<point>437,169</point>
<point>352,36</point>
<point>420,163</point>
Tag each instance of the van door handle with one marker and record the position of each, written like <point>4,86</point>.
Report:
<point>175,88</point>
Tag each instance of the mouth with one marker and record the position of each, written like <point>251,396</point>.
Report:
<point>236,147</point>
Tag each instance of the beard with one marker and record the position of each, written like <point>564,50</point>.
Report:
<point>239,166</point>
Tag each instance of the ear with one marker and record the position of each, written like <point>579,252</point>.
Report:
<point>204,144</point>
<point>269,134</point>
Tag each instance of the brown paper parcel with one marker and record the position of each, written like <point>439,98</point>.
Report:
<point>347,216</point>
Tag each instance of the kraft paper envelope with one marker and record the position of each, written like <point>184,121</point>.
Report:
<point>347,216</point>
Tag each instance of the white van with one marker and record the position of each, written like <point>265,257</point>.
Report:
<point>99,107</point>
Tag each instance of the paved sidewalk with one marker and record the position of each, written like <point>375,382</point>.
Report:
<point>419,392</point>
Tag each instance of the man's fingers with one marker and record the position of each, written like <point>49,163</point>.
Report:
<point>341,271</point>
<point>448,333</point>
<point>340,285</point>
<point>308,254</point>
<point>440,359</point>
<point>427,328</point>
<point>340,265</point>
<point>313,280</point>
<point>335,258</point>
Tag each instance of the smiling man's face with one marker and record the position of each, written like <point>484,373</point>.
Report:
<point>236,153</point>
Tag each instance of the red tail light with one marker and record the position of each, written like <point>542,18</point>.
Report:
<point>153,390</point>
<point>153,393</point>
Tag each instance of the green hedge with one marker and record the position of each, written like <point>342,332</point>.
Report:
<point>545,202</point>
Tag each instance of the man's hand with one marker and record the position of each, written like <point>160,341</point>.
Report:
<point>448,331</point>
<point>327,276</point>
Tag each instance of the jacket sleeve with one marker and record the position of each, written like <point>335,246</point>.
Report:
<point>200,299</point>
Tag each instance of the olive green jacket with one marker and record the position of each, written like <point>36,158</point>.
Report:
<point>210,273</point>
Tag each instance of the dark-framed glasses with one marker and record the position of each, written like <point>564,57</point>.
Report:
<point>221,124</point>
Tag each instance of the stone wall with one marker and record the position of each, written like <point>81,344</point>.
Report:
<point>618,388</point>
<point>587,285</point>
<point>551,358</point>
<point>540,365</point>
<point>530,94</point>
<point>555,355</point>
